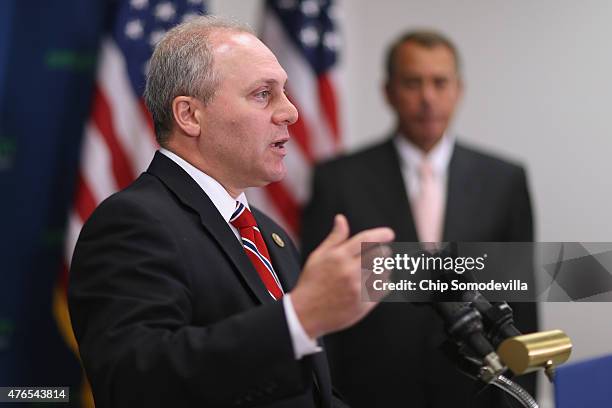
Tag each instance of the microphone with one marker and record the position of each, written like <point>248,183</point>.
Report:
<point>488,329</point>
<point>497,317</point>
<point>464,324</point>
<point>472,351</point>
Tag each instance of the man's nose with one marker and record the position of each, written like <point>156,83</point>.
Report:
<point>286,114</point>
<point>428,93</point>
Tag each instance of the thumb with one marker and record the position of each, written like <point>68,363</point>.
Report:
<point>338,234</point>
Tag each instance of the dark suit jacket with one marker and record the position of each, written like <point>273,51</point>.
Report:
<point>168,310</point>
<point>392,357</point>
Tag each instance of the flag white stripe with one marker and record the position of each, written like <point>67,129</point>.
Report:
<point>298,173</point>
<point>96,164</point>
<point>72,234</point>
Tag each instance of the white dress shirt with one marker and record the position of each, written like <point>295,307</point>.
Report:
<point>226,205</point>
<point>411,158</point>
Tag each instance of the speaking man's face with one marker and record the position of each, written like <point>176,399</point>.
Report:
<point>423,90</point>
<point>244,131</point>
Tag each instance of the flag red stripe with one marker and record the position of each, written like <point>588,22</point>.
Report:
<point>285,204</point>
<point>300,134</point>
<point>84,202</point>
<point>103,118</point>
<point>327,97</point>
<point>63,279</point>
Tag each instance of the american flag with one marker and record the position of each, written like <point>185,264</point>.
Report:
<point>119,141</point>
<point>302,34</point>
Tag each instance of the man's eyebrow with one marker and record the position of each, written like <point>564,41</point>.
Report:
<point>269,82</point>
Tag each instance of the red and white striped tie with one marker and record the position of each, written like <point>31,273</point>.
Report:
<point>256,249</point>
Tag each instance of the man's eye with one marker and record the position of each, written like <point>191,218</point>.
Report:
<point>263,95</point>
<point>411,83</point>
<point>441,82</point>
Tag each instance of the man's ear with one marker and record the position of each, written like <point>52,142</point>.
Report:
<point>184,110</point>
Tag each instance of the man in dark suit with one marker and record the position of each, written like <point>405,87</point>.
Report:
<point>180,294</point>
<point>428,187</point>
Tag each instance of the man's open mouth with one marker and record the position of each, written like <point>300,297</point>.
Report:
<point>280,143</point>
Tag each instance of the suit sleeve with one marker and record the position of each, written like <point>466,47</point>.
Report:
<point>520,229</point>
<point>131,302</point>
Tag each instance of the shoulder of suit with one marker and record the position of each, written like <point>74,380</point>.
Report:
<point>144,192</point>
<point>489,162</point>
<point>142,188</point>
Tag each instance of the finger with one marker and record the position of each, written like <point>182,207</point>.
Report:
<point>338,234</point>
<point>353,245</point>
<point>372,250</point>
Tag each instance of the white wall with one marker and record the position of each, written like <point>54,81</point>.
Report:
<point>539,84</point>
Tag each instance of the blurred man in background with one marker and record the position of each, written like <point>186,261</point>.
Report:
<point>428,187</point>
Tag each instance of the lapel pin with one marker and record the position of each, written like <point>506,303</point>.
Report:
<point>278,240</point>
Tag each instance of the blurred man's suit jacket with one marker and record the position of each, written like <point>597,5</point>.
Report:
<point>392,357</point>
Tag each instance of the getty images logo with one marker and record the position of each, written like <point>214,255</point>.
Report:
<point>412,264</point>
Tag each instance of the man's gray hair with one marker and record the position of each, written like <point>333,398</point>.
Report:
<point>182,64</point>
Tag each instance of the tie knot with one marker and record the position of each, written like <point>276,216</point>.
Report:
<point>242,217</point>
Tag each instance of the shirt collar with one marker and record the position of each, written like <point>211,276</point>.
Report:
<point>222,200</point>
<point>411,156</point>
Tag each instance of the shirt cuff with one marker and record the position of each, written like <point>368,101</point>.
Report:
<point>303,345</point>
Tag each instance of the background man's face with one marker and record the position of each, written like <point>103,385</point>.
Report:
<point>245,128</point>
<point>423,90</point>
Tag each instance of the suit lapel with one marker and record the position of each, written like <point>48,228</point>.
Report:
<point>387,183</point>
<point>462,204</point>
<point>190,194</point>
